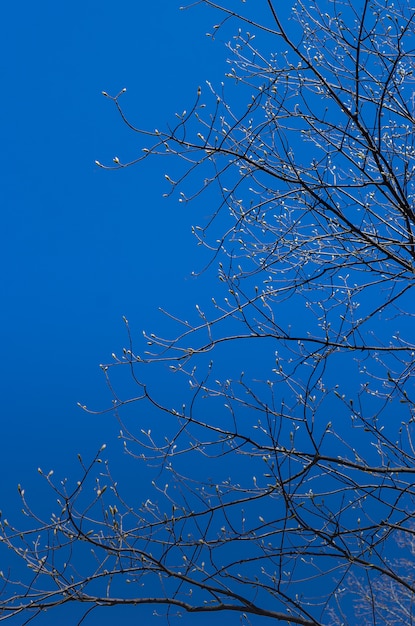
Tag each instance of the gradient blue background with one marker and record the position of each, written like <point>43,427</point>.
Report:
<point>81,247</point>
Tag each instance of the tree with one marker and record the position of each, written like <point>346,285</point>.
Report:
<point>285,491</point>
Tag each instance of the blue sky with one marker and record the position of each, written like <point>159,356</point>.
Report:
<point>80,246</point>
